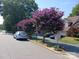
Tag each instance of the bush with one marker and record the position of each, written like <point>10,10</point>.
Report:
<point>73,31</point>
<point>76,35</point>
<point>76,39</point>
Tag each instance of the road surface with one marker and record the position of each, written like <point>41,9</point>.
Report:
<point>13,49</point>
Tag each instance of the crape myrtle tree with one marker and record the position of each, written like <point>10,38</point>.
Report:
<point>27,25</point>
<point>17,10</point>
<point>48,20</point>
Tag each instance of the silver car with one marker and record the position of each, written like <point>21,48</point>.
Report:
<point>21,35</point>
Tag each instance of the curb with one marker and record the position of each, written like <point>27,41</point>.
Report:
<point>63,53</point>
<point>70,56</point>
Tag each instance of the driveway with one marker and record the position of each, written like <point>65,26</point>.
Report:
<point>13,49</point>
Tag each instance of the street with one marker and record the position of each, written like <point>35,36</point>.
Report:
<point>10,48</point>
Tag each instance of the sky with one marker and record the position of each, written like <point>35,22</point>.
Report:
<point>64,5</point>
<point>1,20</point>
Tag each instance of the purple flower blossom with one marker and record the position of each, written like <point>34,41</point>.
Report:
<point>49,19</point>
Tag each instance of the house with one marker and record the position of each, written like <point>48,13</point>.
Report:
<point>73,25</point>
<point>73,20</point>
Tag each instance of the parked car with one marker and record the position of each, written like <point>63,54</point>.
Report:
<point>21,35</point>
<point>61,35</point>
<point>52,36</point>
<point>48,34</point>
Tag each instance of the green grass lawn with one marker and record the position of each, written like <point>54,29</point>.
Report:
<point>70,40</point>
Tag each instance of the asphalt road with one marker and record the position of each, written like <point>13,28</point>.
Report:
<point>13,49</point>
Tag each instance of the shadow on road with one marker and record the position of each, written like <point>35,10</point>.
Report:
<point>67,47</point>
<point>70,48</point>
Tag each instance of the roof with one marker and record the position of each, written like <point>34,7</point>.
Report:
<point>73,19</point>
<point>75,22</point>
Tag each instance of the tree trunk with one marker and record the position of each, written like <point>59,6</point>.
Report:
<point>30,37</point>
<point>43,39</point>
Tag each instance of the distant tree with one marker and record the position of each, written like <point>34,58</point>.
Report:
<point>1,27</point>
<point>17,10</point>
<point>1,7</point>
<point>70,15</point>
<point>48,20</point>
<point>75,10</point>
